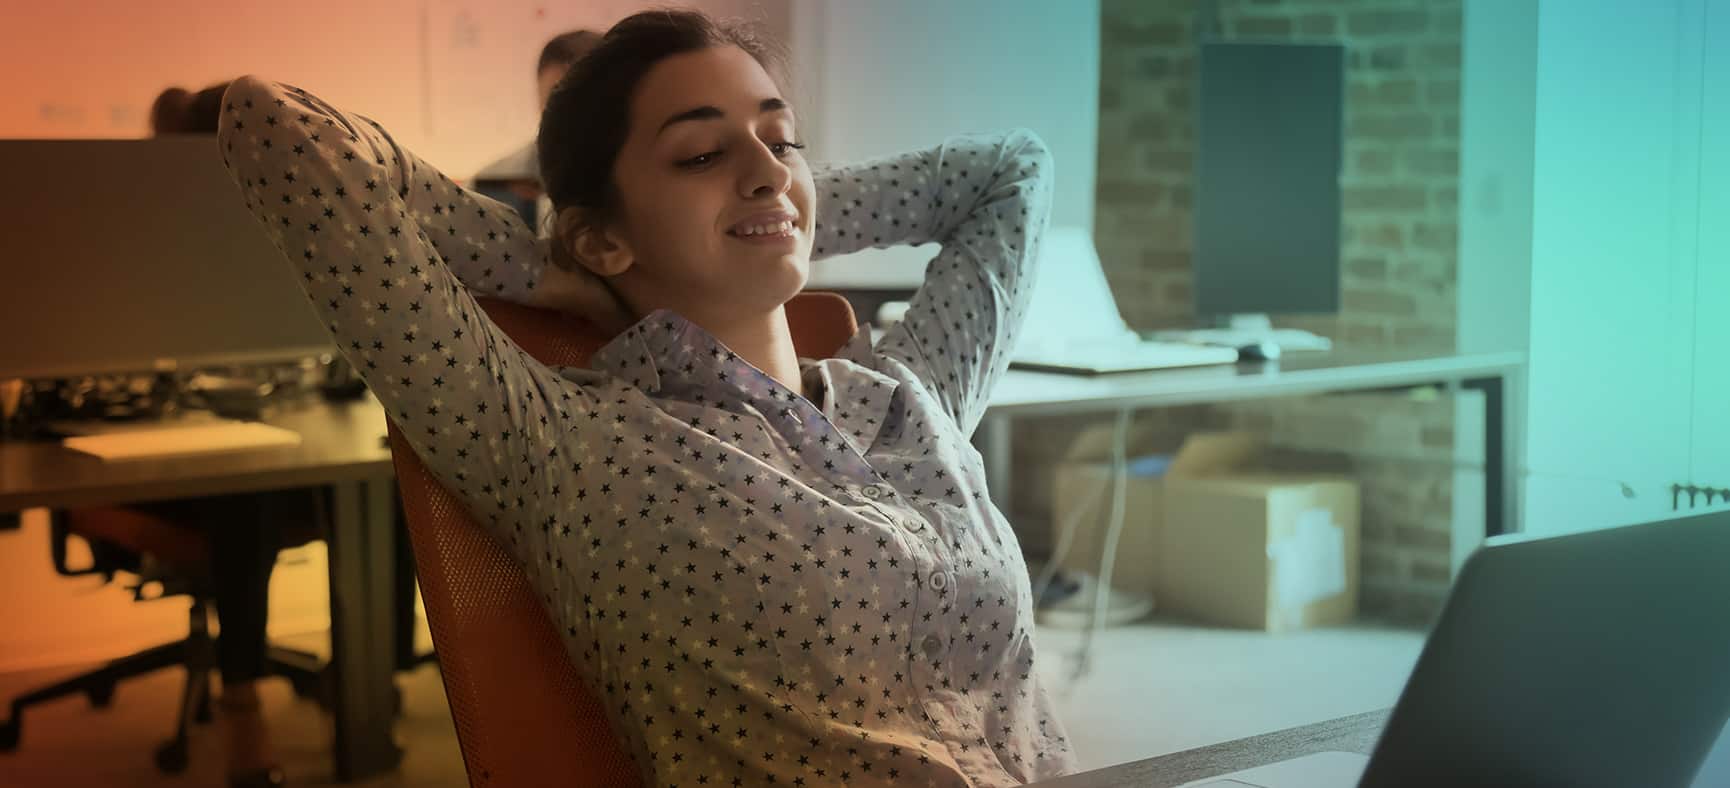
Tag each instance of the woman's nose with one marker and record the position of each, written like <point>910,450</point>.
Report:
<point>766,175</point>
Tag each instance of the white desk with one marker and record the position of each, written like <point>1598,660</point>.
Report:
<point>1023,392</point>
<point>1357,733</point>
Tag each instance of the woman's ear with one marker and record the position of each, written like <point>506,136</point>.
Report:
<point>595,248</point>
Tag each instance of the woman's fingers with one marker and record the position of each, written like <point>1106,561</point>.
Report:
<point>580,292</point>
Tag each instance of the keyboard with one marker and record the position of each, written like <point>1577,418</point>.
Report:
<point>1285,338</point>
<point>145,443</point>
<point>1103,357</point>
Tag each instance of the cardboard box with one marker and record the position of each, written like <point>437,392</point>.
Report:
<point>1211,536</point>
<point>1081,497</point>
<point>1265,551</point>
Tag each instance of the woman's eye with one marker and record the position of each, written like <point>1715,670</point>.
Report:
<point>780,149</point>
<point>702,160</point>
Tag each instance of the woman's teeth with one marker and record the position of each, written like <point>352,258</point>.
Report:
<point>779,228</point>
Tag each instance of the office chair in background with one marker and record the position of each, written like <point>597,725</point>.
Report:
<point>178,560</point>
<point>523,714</point>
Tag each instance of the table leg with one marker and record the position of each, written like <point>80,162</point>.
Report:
<point>1495,453</point>
<point>404,572</point>
<point>363,646</point>
<point>992,439</point>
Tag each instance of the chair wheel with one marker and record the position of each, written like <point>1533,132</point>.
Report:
<point>171,756</point>
<point>9,734</point>
<point>100,695</point>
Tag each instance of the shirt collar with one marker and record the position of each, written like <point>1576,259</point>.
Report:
<point>664,353</point>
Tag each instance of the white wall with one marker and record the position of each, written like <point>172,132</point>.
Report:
<point>453,80</point>
<point>1498,90</point>
<point>889,75</point>
<point>1592,163</point>
<point>1615,230</point>
<point>1498,78</point>
<point>1711,427</point>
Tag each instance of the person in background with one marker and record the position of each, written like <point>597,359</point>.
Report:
<point>557,57</point>
<point>515,179</point>
<point>180,111</point>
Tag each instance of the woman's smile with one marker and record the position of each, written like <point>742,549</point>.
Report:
<point>770,228</point>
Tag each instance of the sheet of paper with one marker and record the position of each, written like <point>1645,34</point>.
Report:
<point>1310,564</point>
<point>177,441</point>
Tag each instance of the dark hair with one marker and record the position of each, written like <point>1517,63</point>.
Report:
<point>588,114</point>
<point>178,111</point>
<point>168,108</point>
<point>567,48</point>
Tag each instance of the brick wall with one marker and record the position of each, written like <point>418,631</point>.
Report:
<point>1398,266</point>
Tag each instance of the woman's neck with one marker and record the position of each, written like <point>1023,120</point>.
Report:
<point>765,341</point>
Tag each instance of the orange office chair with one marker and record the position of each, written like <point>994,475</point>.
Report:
<point>522,713</point>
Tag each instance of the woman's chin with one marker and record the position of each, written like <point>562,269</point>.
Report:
<point>777,284</point>
<point>778,267</point>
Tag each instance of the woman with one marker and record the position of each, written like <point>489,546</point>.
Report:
<point>772,569</point>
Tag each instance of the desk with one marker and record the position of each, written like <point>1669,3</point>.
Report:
<point>1357,733</point>
<point>340,450</point>
<point>1023,392</point>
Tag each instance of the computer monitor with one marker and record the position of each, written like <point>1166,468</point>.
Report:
<point>1267,178</point>
<point>139,255</point>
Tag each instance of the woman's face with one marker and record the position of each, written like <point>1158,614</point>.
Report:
<point>717,203</point>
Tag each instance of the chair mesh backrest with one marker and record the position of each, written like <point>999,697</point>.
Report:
<point>523,715</point>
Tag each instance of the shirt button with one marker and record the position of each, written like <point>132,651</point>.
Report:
<point>913,525</point>
<point>873,492</point>
<point>933,646</point>
<point>938,581</point>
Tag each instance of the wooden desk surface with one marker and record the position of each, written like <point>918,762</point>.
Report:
<point>1357,733</point>
<point>340,442</point>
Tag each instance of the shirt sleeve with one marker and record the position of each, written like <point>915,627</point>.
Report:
<point>388,250</point>
<point>987,200</point>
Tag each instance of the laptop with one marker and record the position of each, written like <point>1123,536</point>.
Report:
<point>1593,660</point>
<point>1073,324</point>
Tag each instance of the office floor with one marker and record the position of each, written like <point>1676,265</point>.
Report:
<point>1157,687</point>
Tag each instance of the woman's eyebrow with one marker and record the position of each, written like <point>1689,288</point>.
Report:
<point>711,113</point>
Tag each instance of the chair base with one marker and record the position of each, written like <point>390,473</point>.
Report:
<point>197,653</point>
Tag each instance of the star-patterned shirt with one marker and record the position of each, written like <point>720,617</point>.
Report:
<point>761,589</point>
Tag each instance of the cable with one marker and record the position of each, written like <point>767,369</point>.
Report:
<point>1065,538</point>
<point>1107,555</point>
<point>1066,532</point>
